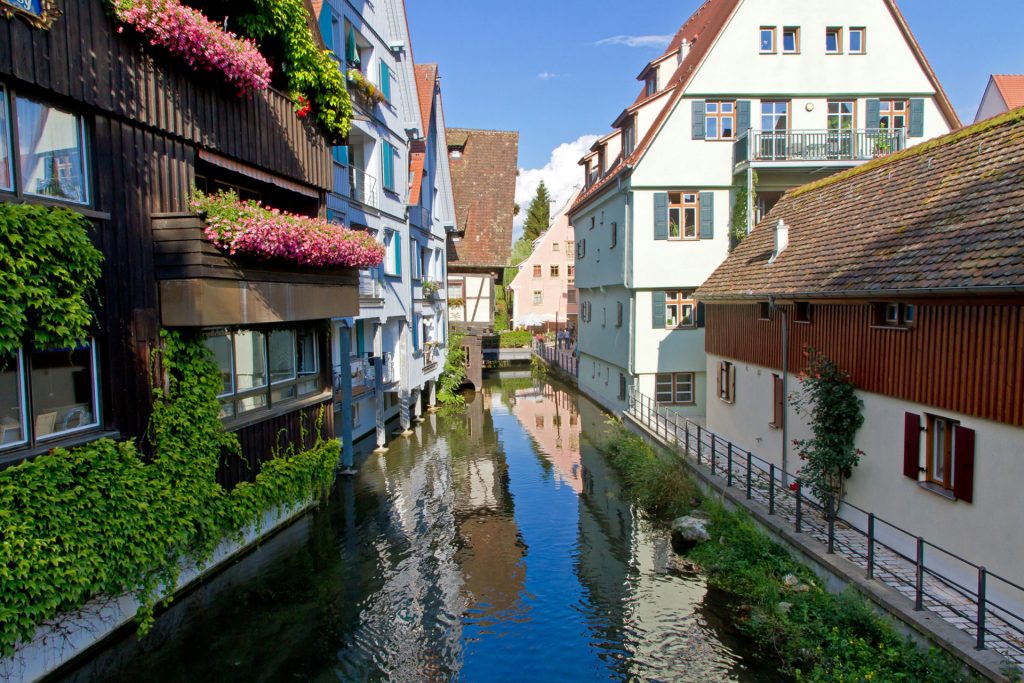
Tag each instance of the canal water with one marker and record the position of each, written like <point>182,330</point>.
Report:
<point>492,545</point>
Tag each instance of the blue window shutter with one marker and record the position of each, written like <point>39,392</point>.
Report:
<point>415,334</point>
<point>742,117</point>
<point>874,114</point>
<point>398,254</point>
<point>360,339</point>
<point>385,80</point>
<point>661,215</point>
<point>340,154</point>
<point>698,120</point>
<point>327,26</point>
<point>916,119</point>
<point>658,310</point>
<point>707,215</point>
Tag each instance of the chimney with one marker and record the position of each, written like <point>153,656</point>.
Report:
<point>781,240</point>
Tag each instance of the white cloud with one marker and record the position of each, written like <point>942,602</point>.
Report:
<point>546,75</point>
<point>562,174</point>
<point>637,41</point>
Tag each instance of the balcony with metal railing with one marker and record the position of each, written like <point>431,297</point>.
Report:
<point>363,188</point>
<point>766,148</point>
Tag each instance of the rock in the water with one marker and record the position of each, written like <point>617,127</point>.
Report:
<point>688,532</point>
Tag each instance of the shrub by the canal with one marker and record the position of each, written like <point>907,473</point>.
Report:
<point>660,487</point>
<point>813,634</point>
<point>105,520</point>
<point>453,377</point>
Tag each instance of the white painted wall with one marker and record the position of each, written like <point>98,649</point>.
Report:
<point>992,103</point>
<point>987,531</point>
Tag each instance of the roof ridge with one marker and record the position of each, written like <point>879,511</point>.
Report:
<point>1012,116</point>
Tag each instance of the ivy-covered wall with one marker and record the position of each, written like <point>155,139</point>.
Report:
<point>103,519</point>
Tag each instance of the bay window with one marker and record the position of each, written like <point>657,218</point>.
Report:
<point>47,394</point>
<point>261,369</point>
<point>49,144</point>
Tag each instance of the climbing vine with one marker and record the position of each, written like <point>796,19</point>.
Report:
<point>738,219</point>
<point>103,520</point>
<point>48,273</point>
<point>312,73</point>
<point>454,374</point>
<point>829,397</point>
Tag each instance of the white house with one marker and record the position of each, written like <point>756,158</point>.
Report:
<point>1003,93</point>
<point>392,180</point>
<point>759,95</point>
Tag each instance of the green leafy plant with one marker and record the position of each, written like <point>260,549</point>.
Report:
<point>105,520</point>
<point>829,397</point>
<point>738,219</point>
<point>312,72</point>
<point>365,89</point>
<point>453,377</point>
<point>49,270</point>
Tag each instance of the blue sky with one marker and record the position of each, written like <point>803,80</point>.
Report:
<point>537,66</point>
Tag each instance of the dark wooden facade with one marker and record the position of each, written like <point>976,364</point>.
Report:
<point>148,120</point>
<point>965,356</point>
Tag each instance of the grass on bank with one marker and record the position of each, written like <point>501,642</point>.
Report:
<point>814,635</point>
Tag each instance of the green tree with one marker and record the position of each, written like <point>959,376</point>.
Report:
<point>538,215</point>
<point>521,251</point>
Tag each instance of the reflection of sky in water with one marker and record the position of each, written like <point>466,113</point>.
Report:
<point>455,556</point>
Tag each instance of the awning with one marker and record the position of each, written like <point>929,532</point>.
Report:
<point>256,174</point>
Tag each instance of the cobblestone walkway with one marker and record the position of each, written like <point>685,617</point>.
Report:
<point>955,603</point>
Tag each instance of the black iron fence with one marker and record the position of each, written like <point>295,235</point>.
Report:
<point>563,358</point>
<point>987,606</point>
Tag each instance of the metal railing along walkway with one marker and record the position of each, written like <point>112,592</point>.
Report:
<point>564,359</point>
<point>964,593</point>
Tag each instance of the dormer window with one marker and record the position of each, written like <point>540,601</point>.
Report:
<point>651,84</point>
<point>628,138</point>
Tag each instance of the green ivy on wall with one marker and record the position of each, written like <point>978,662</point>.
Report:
<point>102,520</point>
<point>48,272</point>
<point>311,71</point>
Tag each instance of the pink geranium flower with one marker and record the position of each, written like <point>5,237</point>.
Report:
<point>205,46</point>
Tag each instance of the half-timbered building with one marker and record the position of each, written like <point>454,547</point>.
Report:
<point>909,274</point>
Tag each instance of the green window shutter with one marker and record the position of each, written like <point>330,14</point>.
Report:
<point>388,163</point>
<point>385,80</point>
<point>327,26</point>
<point>661,215</point>
<point>398,254</point>
<point>916,128</point>
<point>658,310</point>
<point>360,339</point>
<point>415,334</point>
<point>874,114</point>
<point>698,120</point>
<point>707,215</point>
<point>742,117</point>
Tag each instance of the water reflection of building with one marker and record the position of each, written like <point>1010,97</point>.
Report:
<point>549,414</point>
<point>491,550</point>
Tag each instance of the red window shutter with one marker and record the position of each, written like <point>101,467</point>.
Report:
<point>963,465</point>
<point>912,446</point>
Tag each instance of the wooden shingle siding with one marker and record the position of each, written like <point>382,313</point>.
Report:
<point>964,358</point>
<point>82,59</point>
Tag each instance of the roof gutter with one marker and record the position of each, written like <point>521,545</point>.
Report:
<point>932,293</point>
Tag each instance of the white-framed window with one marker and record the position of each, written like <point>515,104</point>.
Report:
<point>791,40</point>
<point>767,38</point>
<point>538,297</point>
<point>894,314</point>
<point>941,445</point>
<point>555,246</point>
<point>538,271</point>
<point>570,272</point>
<point>651,84</point>
<point>263,368</point>
<point>675,388</point>
<point>833,40</point>
<point>554,271</point>
<point>50,146</point>
<point>680,310</point>
<point>858,41</point>
<point>894,114</point>
<point>49,394</point>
